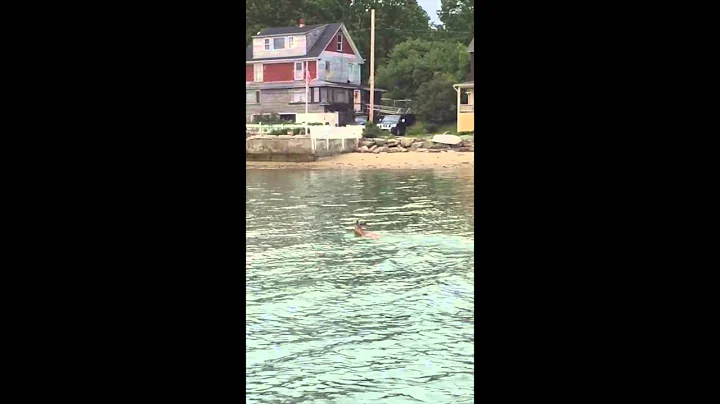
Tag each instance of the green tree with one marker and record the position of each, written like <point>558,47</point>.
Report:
<point>435,100</point>
<point>458,20</point>
<point>417,61</point>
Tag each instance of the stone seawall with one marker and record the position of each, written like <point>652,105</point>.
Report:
<point>294,148</point>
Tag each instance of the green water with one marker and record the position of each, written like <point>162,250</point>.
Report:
<point>332,318</point>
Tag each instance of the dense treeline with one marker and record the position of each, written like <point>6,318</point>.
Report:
<point>413,57</point>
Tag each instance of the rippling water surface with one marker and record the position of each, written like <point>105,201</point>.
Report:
<point>332,318</point>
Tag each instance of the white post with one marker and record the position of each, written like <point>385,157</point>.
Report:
<point>458,90</point>
<point>307,91</point>
<point>372,65</point>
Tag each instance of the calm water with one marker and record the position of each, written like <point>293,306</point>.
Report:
<point>332,318</point>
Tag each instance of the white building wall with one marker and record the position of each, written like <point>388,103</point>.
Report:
<point>339,67</point>
<point>260,52</point>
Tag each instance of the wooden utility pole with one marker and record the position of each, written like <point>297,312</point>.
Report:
<point>372,65</point>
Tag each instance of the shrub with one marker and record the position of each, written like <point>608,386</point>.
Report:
<point>269,119</point>
<point>468,132</point>
<point>371,131</point>
<point>431,127</point>
<point>417,129</point>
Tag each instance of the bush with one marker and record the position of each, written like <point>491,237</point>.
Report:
<point>417,129</point>
<point>269,119</point>
<point>371,131</point>
<point>431,127</point>
<point>468,132</point>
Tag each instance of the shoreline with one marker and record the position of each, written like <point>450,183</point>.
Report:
<point>408,160</point>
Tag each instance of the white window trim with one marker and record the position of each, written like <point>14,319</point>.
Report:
<point>256,96</point>
<point>270,43</point>
<point>297,92</point>
<point>302,75</point>
<point>285,42</point>
<point>339,42</point>
<point>258,78</point>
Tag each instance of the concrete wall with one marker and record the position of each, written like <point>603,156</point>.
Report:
<point>295,148</point>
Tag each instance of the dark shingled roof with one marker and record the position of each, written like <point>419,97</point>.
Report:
<point>471,47</point>
<point>288,30</point>
<point>319,46</point>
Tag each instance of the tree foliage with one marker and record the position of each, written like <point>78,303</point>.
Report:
<point>415,62</point>
<point>458,20</point>
<point>435,100</point>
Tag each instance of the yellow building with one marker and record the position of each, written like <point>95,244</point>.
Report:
<point>466,97</point>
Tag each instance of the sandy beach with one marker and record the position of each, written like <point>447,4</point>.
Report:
<point>409,160</point>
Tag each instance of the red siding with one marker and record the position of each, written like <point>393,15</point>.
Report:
<point>278,72</point>
<point>248,73</point>
<point>332,46</point>
<point>282,71</point>
<point>312,66</point>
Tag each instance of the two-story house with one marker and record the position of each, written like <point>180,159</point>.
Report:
<point>275,74</point>
<point>466,96</point>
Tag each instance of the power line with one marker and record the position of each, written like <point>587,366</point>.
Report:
<point>409,30</point>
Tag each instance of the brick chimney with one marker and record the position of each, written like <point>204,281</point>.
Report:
<point>302,22</point>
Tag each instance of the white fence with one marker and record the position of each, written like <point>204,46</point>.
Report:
<point>335,132</point>
<point>261,129</point>
<point>316,132</point>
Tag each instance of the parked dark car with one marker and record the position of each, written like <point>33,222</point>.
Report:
<point>396,124</point>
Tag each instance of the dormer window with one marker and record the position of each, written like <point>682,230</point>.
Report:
<point>280,42</point>
<point>339,43</point>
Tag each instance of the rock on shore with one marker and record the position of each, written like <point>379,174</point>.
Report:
<point>405,144</point>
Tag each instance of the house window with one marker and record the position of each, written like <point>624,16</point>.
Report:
<point>339,42</point>
<point>316,95</point>
<point>267,43</point>
<point>252,97</point>
<point>291,42</point>
<point>279,43</point>
<point>298,96</point>
<point>258,76</point>
<point>299,71</point>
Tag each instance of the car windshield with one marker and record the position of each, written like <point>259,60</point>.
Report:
<point>391,119</point>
